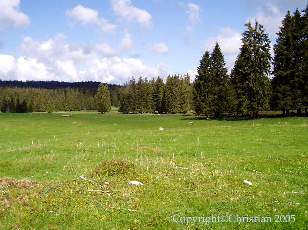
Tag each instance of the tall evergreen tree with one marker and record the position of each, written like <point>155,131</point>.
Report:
<point>251,70</point>
<point>102,98</point>
<point>219,91</point>
<point>304,61</point>
<point>185,89</point>
<point>298,81</point>
<point>201,87</point>
<point>290,86</point>
<point>283,67</point>
<point>158,94</point>
<point>172,95</point>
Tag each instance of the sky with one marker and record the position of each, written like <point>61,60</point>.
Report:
<point>113,40</point>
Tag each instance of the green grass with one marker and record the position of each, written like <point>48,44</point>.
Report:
<point>191,168</point>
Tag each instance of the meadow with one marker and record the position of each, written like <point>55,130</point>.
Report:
<point>72,172</point>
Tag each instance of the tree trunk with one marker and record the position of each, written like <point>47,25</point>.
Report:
<point>255,114</point>
<point>299,112</point>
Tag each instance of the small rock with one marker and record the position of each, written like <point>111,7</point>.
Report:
<point>135,183</point>
<point>83,177</point>
<point>247,182</point>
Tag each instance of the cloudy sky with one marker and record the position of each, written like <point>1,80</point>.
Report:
<point>113,40</point>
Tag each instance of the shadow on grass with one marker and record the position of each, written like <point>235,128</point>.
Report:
<point>269,114</point>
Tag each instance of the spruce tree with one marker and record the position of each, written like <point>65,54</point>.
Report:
<point>298,82</point>
<point>251,71</point>
<point>158,94</point>
<point>304,61</point>
<point>201,87</point>
<point>102,98</point>
<point>219,88</point>
<point>185,90</point>
<point>290,86</point>
<point>283,67</point>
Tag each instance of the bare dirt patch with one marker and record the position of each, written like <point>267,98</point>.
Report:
<point>13,183</point>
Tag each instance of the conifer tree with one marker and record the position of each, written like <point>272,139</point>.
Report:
<point>185,90</point>
<point>201,87</point>
<point>102,98</point>
<point>304,54</point>
<point>283,64</point>
<point>219,88</point>
<point>251,70</point>
<point>158,94</point>
<point>172,95</point>
<point>290,86</point>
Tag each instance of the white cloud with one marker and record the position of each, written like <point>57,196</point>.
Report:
<point>192,74</point>
<point>88,16</point>
<point>270,17</point>
<point>7,64</point>
<point>230,43</point>
<point>106,49</point>
<point>10,14</point>
<point>127,42</point>
<point>55,59</point>
<point>126,10</point>
<point>160,48</point>
<point>193,11</point>
<point>23,68</point>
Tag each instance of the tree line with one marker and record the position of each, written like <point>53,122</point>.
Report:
<point>155,96</point>
<point>23,100</point>
<point>248,89</point>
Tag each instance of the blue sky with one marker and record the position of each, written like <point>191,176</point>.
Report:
<point>113,40</point>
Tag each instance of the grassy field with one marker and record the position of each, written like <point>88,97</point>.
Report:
<point>191,168</point>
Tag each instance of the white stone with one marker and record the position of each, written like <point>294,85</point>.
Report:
<point>135,183</point>
<point>247,182</point>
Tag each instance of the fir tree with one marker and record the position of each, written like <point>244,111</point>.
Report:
<point>185,89</point>
<point>251,70</point>
<point>102,98</point>
<point>158,94</point>
<point>283,67</point>
<point>200,87</point>
<point>290,86</point>
<point>219,92</point>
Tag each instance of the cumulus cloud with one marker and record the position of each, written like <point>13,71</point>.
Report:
<point>192,74</point>
<point>10,14</point>
<point>193,11</point>
<point>56,59</point>
<point>230,43</point>
<point>126,42</point>
<point>160,48</point>
<point>88,16</point>
<point>105,49</point>
<point>228,39</point>
<point>127,11</point>
<point>270,17</point>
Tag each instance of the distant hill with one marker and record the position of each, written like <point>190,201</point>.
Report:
<point>86,85</point>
